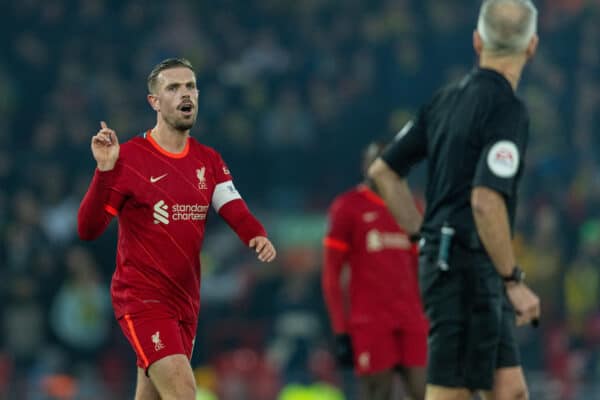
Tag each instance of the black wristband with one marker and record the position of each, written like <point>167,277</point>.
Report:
<point>414,237</point>
<point>517,275</point>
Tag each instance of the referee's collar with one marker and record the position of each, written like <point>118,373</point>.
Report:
<point>495,75</point>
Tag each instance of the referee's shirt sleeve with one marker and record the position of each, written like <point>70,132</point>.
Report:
<point>504,144</point>
<point>408,147</point>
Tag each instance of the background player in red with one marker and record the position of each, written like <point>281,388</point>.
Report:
<point>385,329</point>
<point>160,185</point>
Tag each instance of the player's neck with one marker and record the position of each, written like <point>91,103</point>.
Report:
<point>170,139</point>
<point>371,185</point>
<point>509,66</point>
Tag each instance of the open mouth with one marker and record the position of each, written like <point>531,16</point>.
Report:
<point>186,108</point>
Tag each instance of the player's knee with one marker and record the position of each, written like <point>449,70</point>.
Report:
<point>377,386</point>
<point>434,392</point>
<point>513,392</point>
<point>182,389</point>
<point>173,378</point>
<point>520,393</point>
<point>379,379</point>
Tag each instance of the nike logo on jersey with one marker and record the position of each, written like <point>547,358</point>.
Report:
<point>157,178</point>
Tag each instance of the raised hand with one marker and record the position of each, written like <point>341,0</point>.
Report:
<point>105,147</point>
<point>265,249</point>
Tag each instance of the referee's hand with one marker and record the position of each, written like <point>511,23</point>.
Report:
<point>525,302</point>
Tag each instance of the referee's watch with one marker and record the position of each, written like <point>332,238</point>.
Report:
<point>414,237</point>
<point>517,276</point>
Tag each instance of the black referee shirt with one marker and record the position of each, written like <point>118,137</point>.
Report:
<point>473,133</point>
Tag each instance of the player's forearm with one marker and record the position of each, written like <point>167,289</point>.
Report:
<point>240,219</point>
<point>92,218</point>
<point>397,195</point>
<point>333,261</point>
<point>491,219</point>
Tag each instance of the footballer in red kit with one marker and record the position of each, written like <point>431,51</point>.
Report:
<point>162,200</point>
<point>383,327</point>
<point>160,185</point>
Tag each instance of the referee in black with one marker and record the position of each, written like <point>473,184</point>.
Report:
<point>474,135</point>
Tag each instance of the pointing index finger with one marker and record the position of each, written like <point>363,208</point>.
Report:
<point>103,125</point>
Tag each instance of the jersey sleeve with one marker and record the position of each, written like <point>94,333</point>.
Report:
<point>225,190</point>
<point>228,203</point>
<point>339,228</point>
<point>119,190</point>
<point>101,203</point>
<point>409,146</point>
<point>335,254</point>
<point>505,141</point>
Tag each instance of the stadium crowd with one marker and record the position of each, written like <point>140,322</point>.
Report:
<point>290,91</point>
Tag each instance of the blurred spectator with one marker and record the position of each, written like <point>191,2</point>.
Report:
<point>23,324</point>
<point>294,89</point>
<point>288,126</point>
<point>80,314</point>
<point>298,325</point>
<point>540,256</point>
<point>582,280</point>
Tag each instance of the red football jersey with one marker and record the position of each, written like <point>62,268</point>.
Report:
<point>383,265</point>
<point>162,200</point>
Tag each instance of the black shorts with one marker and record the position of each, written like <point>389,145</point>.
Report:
<point>472,322</point>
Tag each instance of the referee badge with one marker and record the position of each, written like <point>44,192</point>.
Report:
<point>503,159</point>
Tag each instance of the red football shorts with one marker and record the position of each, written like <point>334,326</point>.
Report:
<point>157,333</point>
<point>378,349</point>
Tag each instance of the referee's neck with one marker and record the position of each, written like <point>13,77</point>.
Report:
<point>508,66</point>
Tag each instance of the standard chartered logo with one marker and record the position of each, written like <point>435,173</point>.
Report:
<point>179,212</point>
<point>161,215</point>
<point>377,240</point>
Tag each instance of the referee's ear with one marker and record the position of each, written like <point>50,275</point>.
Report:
<point>532,46</point>
<point>477,42</point>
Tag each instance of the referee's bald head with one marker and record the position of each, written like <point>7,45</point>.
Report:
<point>507,27</point>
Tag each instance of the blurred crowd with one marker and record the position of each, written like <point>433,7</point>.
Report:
<point>290,92</point>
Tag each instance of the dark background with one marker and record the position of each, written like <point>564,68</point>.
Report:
<point>290,93</point>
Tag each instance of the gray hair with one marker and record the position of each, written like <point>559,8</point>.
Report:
<point>507,26</point>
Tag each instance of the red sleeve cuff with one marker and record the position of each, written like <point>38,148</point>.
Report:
<point>335,298</point>
<point>106,178</point>
<point>335,244</point>
<point>111,210</point>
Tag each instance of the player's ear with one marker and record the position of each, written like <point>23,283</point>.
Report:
<point>153,101</point>
<point>532,47</point>
<point>477,42</point>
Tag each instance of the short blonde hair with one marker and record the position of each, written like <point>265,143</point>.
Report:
<point>163,65</point>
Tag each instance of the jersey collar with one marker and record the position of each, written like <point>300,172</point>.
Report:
<point>497,76</point>
<point>370,195</point>
<point>164,152</point>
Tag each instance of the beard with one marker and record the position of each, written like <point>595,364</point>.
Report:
<point>181,124</point>
<point>184,125</point>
